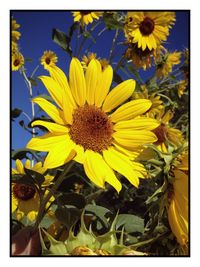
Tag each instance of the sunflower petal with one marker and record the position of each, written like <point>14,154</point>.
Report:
<point>54,89</point>
<point>77,82</point>
<point>104,86</point>
<point>99,172</point>
<point>19,166</point>
<point>121,164</point>
<point>50,109</point>
<point>134,139</point>
<point>51,127</point>
<point>131,110</point>
<point>137,124</point>
<point>119,95</point>
<point>92,79</point>
<point>47,142</point>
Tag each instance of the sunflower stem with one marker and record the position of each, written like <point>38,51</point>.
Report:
<point>58,182</point>
<point>113,44</point>
<point>28,83</point>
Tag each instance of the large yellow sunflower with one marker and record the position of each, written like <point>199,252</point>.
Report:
<point>103,140</point>
<point>148,29</point>
<point>165,65</point>
<point>48,59</point>
<point>165,133</point>
<point>178,207</point>
<point>17,61</point>
<point>25,198</point>
<point>86,17</point>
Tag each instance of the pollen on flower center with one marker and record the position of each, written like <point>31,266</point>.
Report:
<point>23,191</point>
<point>147,26</point>
<point>91,128</point>
<point>161,133</point>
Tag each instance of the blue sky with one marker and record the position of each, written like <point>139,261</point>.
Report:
<point>36,30</point>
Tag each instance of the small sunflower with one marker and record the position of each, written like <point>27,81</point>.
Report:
<point>49,59</point>
<point>157,104</point>
<point>86,60</point>
<point>148,29</point>
<point>165,65</point>
<point>86,17</point>
<point>178,207</point>
<point>182,87</point>
<point>103,140</point>
<point>165,133</point>
<point>17,61</point>
<point>25,198</point>
<point>15,35</point>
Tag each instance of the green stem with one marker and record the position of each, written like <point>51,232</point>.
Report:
<point>45,200</point>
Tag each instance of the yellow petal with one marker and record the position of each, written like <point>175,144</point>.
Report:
<point>39,168</point>
<point>77,82</point>
<point>19,166</point>
<point>119,95</point>
<point>50,109</point>
<point>59,156</point>
<point>137,124</point>
<point>104,86</point>
<point>121,164</point>
<point>131,110</point>
<point>27,164</point>
<point>47,142</point>
<point>68,103</point>
<point>134,139</point>
<point>54,89</point>
<point>51,127</point>
<point>92,79</point>
<point>99,172</point>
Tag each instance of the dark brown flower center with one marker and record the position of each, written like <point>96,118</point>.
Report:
<point>16,62</point>
<point>83,13</point>
<point>47,60</point>
<point>23,191</point>
<point>161,133</point>
<point>91,128</point>
<point>147,26</point>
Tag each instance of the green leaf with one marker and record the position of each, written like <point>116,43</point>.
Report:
<point>73,199</point>
<point>159,191</point>
<point>130,222</point>
<point>135,73</point>
<point>111,21</point>
<point>68,216</point>
<point>37,177</point>
<point>99,212</point>
<point>62,40</point>
<point>16,112</point>
<point>23,179</point>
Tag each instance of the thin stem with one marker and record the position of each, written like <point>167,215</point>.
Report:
<point>26,115</point>
<point>81,46</point>
<point>34,71</point>
<point>58,182</point>
<point>113,44</point>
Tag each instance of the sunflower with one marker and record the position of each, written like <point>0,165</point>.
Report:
<point>167,135</point>
<point>103,141</point>
<point>140,58</point>
<point>86,17</point>
<point>15,35</point>
<point>17,61</point>
<point>148,29</point>
<point>48,59</point>
<point>165,65</point>
<point>157,104</point>
<point>178,207</point>
<point>182,87</point>
<point>25,198</point>
<point>86,60</point>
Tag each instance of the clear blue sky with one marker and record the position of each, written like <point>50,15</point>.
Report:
<point>36,29</point>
